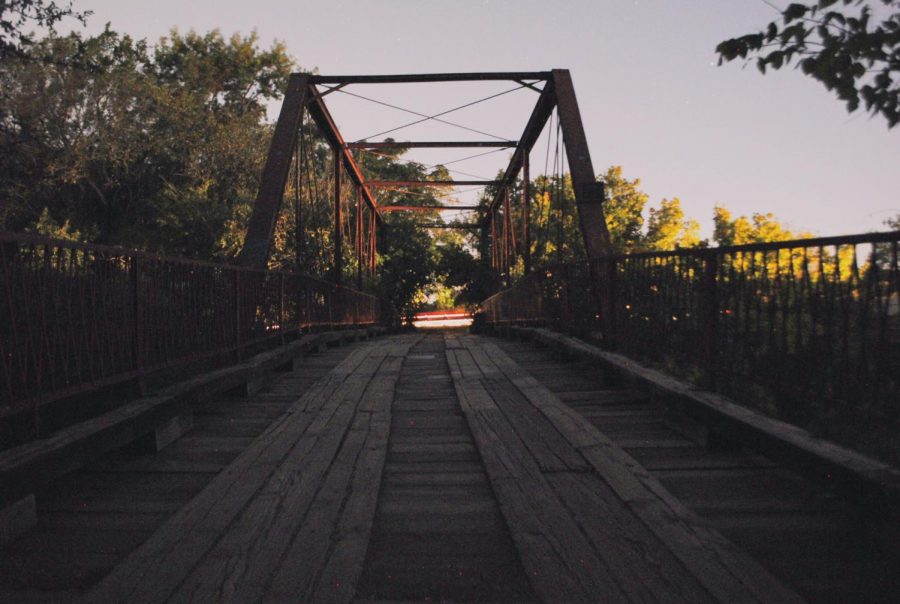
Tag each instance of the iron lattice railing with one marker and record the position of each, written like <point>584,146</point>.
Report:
<point>74,316</point>
<point>807,329</point>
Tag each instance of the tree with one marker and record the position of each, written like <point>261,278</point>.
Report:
<point>624,209</point>
<point>17,15</point>
<point>839,43</point>
<point>156,148</point>
<point>758,229</point>
<point>667,228</point>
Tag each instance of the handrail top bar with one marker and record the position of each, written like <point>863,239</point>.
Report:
<point>429,144</point>
<point>860,238</point>
<point>41,240</point>
<point>429,77</point>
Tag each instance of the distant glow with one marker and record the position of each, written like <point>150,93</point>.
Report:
<point>442,323</point>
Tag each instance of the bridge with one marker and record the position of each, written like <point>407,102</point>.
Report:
<point>697,425</point>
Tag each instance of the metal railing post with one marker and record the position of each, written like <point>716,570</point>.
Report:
<point>136,332</point>
<point>237,314</point>
<point>710,309</point>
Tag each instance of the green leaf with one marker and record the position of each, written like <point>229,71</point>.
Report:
<point>794,11</point>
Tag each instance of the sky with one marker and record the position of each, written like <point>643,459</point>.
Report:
<point>652,97</point>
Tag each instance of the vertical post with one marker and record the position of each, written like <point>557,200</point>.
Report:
<point>282,320</point>
<point>373,233</point>
<point>338,218</point>
<point>359,238</point>
<point>137,332</point>
<point>526,212</point>
<point>495,250</point>
<point>298,208</point>
<point>711,314</point>
<point>507,237</point>
<point>589,194</point>
<point>237,314</point>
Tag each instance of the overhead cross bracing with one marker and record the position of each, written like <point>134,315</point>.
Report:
<point>367,108</point>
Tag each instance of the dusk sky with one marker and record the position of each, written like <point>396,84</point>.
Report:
<point>651,95</point>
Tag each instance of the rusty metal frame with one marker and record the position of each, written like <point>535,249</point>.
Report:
<point>431,144</point>
<point>557,93</point>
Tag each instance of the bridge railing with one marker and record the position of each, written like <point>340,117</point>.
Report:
<point>74,316</point>
<point>810,326</point>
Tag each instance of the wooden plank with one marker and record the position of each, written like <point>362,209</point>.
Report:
<point>16,519</point>
<point>151,573</point>
<point>625,543</point>
<point>729,574</point>
<point>26,468</point>
<point>559,561</point>
<point>863,478</point>
<point>242,562</point>
<point>327,568</point>
<point>549,448</point>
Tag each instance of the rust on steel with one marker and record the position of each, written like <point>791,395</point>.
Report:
<point>398,208</point>
<point>125,314</point>
<point>338,218</point>
<point>320,114</point>
<point>430,144</point>
<point>427,183</point>
<point>526,213</point>
<point>557,92</point>
<point>536,122</point>
<point>261,229</point>
<point>421,78</point>
<point>448,225</point>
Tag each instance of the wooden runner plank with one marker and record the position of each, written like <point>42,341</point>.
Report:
<point>156,569</point>
<point>559,561</point>
<point>327,569</point>
<point>243,562</point>
<point>622,548</point>
<point>728,573</point>
<point>550,449</point>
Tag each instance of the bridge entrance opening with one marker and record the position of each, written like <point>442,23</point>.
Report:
<point>416,217</point>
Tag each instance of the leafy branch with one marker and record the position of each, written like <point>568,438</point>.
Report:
<point>837,42</point>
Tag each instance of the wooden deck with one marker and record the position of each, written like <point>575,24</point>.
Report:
<point>441,467</point>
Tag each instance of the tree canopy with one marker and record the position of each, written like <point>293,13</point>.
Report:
<point>17,16</point>
<point>841,43</point>
<point>153,147</point>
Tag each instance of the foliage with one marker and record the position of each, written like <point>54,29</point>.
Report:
<point>155,148</point>
<point>667,228</point>
<point>17,15</point>
<point>624,210</point>
<point>741,230</point>
<point>458,269</point>
<point>838,42</point>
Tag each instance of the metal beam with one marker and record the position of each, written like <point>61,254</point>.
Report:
<point>261,229</point>
<point>430,144</point>
<point>589,197</point>
<point>430,77</point>
<point>320,114</point>
<point>446,225</point>
<point>338,220</point>
<point>389,184</point>
<point>425,208</point>
<point>536,122</point>
<point>588,192</point>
